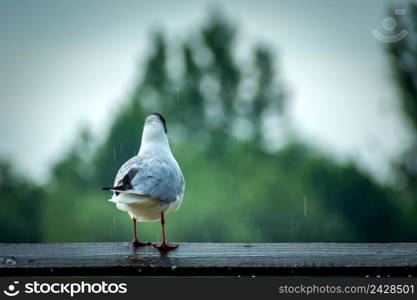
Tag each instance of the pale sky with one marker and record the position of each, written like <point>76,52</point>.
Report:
<point>68,63</point>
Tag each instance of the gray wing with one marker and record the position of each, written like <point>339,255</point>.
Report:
<point>153,176</point>
<point>127,170</point>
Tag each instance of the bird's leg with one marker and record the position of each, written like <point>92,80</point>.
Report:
<point>135,241</point>
<point>164,246</point>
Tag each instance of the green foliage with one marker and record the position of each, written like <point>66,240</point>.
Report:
<point>403,59</point>
<point>21,204</point>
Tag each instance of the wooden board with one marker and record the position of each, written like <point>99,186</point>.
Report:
<point>201,259</point>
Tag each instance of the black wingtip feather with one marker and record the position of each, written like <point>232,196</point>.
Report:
<point>117,188</point>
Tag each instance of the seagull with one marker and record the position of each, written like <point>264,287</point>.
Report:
<point>151,183</point>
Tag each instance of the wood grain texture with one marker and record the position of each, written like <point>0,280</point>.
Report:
<point>201,259</point>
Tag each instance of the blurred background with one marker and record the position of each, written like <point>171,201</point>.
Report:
<point>290,119</point>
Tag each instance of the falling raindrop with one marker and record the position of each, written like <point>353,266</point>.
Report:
<point>305,206</point>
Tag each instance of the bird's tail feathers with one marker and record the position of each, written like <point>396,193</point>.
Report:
<point>127,198</point>
<point>124,189</point>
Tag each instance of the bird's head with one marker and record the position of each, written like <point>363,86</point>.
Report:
<point>156,121</point>
<point>154,129</point>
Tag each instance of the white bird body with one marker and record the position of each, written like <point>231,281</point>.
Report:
<point>152,180</point>
<point>144,209</point>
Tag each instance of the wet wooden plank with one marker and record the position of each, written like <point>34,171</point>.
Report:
<point>201,259</point>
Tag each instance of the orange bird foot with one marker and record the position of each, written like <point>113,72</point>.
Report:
<point>165,246</point>
<point>137,243</point>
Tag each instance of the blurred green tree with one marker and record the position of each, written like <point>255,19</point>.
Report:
<point>21,203</point>
<point>403,58</point>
